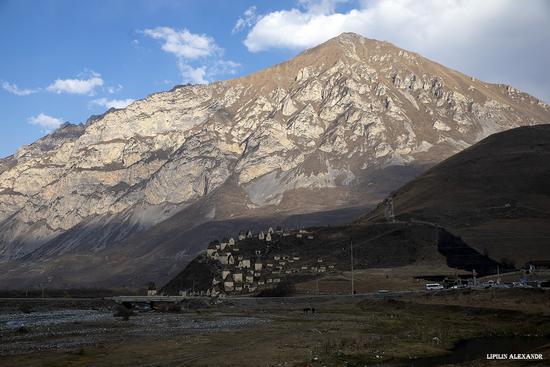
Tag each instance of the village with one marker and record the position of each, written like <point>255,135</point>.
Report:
<point>254,262</point>
<point>257,263</point>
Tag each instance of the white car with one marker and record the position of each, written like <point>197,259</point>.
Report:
<point>434,287</point>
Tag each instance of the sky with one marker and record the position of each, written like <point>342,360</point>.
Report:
<point>65,60</point>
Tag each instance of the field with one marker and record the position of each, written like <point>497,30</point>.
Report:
<point>381,329</point>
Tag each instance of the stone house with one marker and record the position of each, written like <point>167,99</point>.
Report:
<point>238,277</point>
<point>211,250</point>
<point>258,266</point>
<point>238,288</point>
<point>242,235</point>
<point>296,258</point>
<point>276,280</point>
<point>309,237</point>
<point>249,278</point>
<point>245,263</point>
<point>228,285</point>
<point>268,237</point>
<point>223,258</point>
<point>225,273</point>
<point>276,258</point>
<point>261,235</point>
<point>249,234</point>
<point>224,243</point>
<point>270,230</point>
<point>217,280</point>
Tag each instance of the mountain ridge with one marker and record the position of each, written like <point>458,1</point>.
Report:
<point>308,135</point>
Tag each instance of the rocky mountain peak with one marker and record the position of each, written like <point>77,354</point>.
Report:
<point>339,125</point>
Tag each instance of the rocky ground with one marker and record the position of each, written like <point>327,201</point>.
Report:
<point>384,330</point>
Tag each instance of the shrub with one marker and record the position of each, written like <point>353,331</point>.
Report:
<point>124,312</point>
<point>283,289</point>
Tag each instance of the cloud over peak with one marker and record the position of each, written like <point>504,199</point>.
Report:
<point>183,43</point>
<point>507,36</point>
<point>112,103</point>
<point>198,57</point>
<point>77,86</point>
<point>47,122</point>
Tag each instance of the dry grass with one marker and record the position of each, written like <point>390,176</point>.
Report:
<point>352,331</point>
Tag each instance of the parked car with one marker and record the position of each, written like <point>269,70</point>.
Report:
<point>459,286</point>
<point>434,287</point>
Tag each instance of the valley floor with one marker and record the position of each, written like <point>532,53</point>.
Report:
<point>382,329</point>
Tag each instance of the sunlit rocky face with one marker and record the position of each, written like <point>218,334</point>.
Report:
<point>321,122</point>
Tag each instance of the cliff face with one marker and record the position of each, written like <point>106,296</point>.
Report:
<point>339,125</point>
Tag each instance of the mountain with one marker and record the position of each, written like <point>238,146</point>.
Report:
<point>495,195</point>
<point>132,195</point>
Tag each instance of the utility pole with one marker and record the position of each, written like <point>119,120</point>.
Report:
<point>498,274</point>
<point>351,255</point>
<point>317,285</point>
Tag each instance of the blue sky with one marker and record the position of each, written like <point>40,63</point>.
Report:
<point>66,60</point>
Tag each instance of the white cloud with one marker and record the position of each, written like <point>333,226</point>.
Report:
<point>198,57</point>
<point>183,43</point>
<point>114,89</point>
<point>247,20</point>
<point>112,103</point>
<point>220,67</point>
<point>497,40</point>
<point>77,86</point>
<point>321,6</point>
<point>14,89</point>
<point>47,122</point>
<point>191,74</point>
